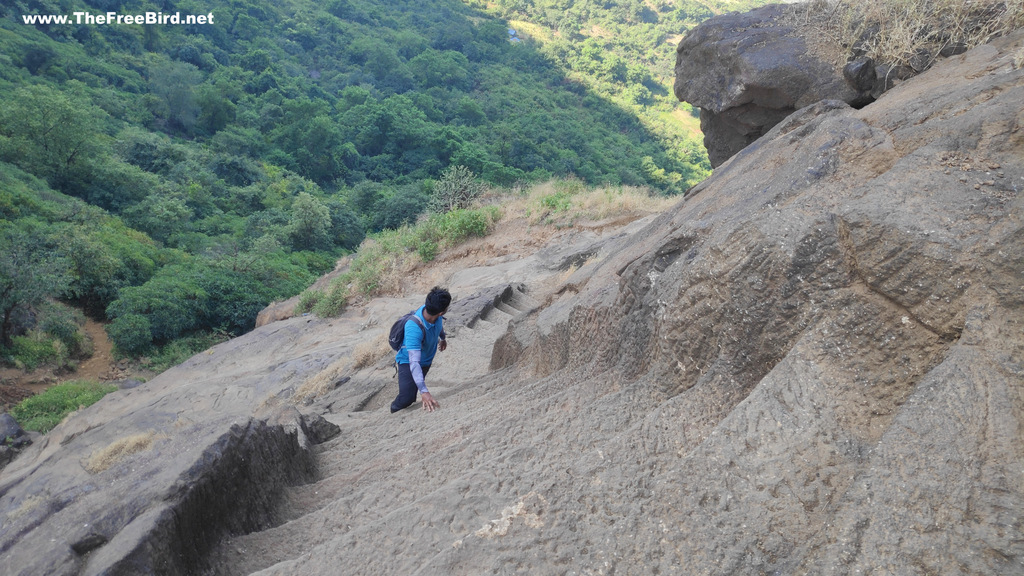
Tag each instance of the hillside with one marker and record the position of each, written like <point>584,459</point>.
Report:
<point>173,179</point>
<point>622,50</point>
<point>811,364</point>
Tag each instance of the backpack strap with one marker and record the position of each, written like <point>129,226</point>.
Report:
<point>419,323</point>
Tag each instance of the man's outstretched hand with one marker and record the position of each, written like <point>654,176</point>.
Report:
<point>429,404</point>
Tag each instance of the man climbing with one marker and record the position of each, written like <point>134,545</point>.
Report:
<point>423,338</point>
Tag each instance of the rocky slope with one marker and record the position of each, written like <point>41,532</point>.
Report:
<point>813,364</point>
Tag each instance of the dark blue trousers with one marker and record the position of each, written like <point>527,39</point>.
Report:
<point>407,389</point>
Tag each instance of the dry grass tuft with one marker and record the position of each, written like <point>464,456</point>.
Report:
<point>370,352</point>
<point>565,202</point>
<point>907,32</point>
<point>322,382</point>
<point>603,203</point>
<point>365,354</point>
<point>119,450</point>
<point>30,503</point>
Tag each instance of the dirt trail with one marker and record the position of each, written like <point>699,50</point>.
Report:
<point>16,385</point>
<point>100,365</point>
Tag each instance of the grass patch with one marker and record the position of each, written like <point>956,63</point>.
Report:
<point>30,503</point>
<point>370,352</point>
<point>323,381</point>
<point>365,354</point>
<point>119,450</point>
<point>385,256</point>
<point>45,410</point>
<point>564,203</point>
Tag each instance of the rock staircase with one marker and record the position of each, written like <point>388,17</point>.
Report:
<point>308,515</point>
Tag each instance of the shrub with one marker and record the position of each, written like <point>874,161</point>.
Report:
<point>427,250</point>
<point>333,302</point>
<point>557,202</point>
<point>172,302</point>
<point>455,189</point>
<point>32,270</point>
<point>442,231</point>
<point>64,323</point>
<point>45,410</point>
<point>131,333</point>
<point>33,350</point>
<point>457,226</point>
<point>308,301</point>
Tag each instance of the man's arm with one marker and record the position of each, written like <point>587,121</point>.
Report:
<point>417,371</point>
<point>429,404</point>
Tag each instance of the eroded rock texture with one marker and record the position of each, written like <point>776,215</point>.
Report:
<point>814,364</point>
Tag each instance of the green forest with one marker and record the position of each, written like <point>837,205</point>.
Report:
<point>173,179</point>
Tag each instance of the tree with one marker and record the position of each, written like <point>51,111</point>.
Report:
<point>310,225</point>
<point>31,270</point>
<point>440,68</point>
<point>48,133</point>
<point>470,111</point>
<point>172,302</point>
<point>234,298</point>
<point>104,258</point>
<point>174,85</point>
<point>159,216</point>
<point>320,151</point>
<point>402,207</point>
<point>217,110</point>
<point>346,230</point>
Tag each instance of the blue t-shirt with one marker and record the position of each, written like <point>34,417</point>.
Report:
<point>416,340</point>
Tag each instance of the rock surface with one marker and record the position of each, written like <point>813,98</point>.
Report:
<point>12,439</point>
<point>748,71</point>
<point>813,364</point>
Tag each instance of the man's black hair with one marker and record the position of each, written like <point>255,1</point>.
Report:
<point>438,300</point>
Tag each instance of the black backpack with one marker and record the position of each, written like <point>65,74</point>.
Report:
<point>397,336</point>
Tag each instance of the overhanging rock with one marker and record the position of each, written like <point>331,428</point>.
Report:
<point>746,72</point>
